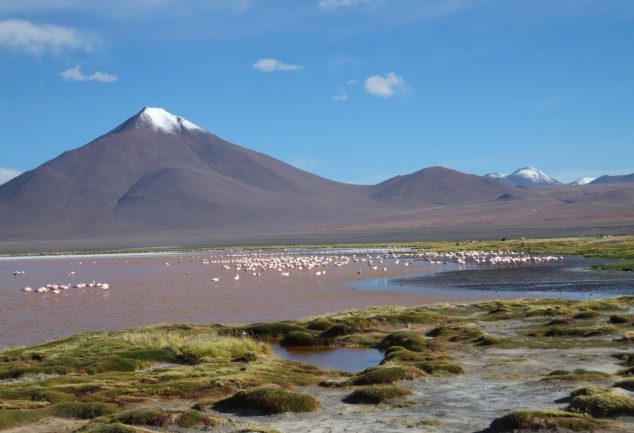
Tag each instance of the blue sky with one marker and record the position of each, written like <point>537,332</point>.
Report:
<point>353,90</point>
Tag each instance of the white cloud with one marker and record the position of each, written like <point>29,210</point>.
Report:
<point>75,74</point>
<point>21,35</point>
<point>384,86</point>
<point>333,4</point>
<point>340,98</point>
<point>352,82</point>
<point>272,65</point>
<point>7,174</point>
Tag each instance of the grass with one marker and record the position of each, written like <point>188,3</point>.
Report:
<point>268,401</point>
<point>544,420</point>
<point>299,339</point>
<point>616,266</point>
<point>440,368</point>
<point>376,394</point>
<point>456,333</point>
<point>380,375</point>
<point>577,375</point>
<point>74,376</point>
<point>409,341</point>
<point>601,403</point>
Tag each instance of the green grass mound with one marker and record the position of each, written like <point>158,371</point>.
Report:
<point>440,368</point>
<point>273,330</point>
<point>299,339</point>
<point>626,384</point>
<point>379,375</point>
<point>551,420</point>
<point>583,332</point>
<point>152,416</point>
<point>618,319</point>
<point>268,401</point>
<point>576,375</point>
<point>401,354</point>
<point>602,404</point>
<point>82,410</point>
<point>560,321</point>
<point>338,330</point>
<point>376,394</point>
<point>196,419</point>
<point>590,390</point>
<point>107,428</point>
<point>588,315</point>
<point>320,324</point>
<point>456,333</point>
<point>35,394</point>
<point>410,341</point>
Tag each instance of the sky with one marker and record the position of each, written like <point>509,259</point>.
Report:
<point>353,90</point>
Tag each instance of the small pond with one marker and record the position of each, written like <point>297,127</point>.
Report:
<point>346,359</point>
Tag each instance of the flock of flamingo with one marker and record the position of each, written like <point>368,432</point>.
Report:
<point>255,264</point>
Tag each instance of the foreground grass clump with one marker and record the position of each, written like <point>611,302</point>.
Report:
<point>82,410</point>
<point>409,341</point>
<point>273,330</point>
<point>600,402</point>
<point>440,368</point>
<point>201,349</point>
<point>299,339</point>
<point>268,401</point>
<point>584,332</point>
<point>195,419</point>
<point>401,354</point>
<point>579,374</point>
<point>544,420</point>
<point>456,333</point>
<point>107,428</point>
<point>380,375</point>
<point>627,384</point>
<point>376,394</point>
<point>152,416</point>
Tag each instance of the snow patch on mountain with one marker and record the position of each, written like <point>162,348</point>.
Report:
<point>583,181</point>
<point>166,122</point>
<point>526,177</point>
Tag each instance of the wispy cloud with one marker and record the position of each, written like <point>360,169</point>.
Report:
<point>340,97</point>
<point>75,74</point>
<point>273,65</point>
<point>25,36</point>
<point>384,86</point>
<point>7,174</point>
<point>334,4</point>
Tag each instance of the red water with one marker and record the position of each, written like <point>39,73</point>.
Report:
<point>144,290</point>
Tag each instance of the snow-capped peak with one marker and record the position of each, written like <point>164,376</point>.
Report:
<point>525,177</point>
<point>583,181</point>
<point>163,121</point>
<point>534,175</point>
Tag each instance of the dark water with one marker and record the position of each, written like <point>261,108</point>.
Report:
<point>571,278</point>
<point>338,358</point>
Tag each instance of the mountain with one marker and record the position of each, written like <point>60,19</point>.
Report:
<point>583,181</point>
<point>157,171</point>
<point>439,185</point>
<point>528,177</point>
<point>626,178</point>
<point>159,179</point>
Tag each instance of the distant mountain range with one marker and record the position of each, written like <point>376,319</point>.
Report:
<point>158,174</point>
